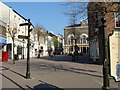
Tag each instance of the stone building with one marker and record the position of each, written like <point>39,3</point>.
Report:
<point>76,34</point>
<point>95,12</point>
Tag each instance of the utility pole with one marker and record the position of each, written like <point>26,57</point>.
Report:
<point>106,84</point>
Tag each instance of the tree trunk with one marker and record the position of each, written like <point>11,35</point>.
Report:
<point>13,52</point>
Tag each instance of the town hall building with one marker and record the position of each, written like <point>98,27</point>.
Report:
<point>76,34</point>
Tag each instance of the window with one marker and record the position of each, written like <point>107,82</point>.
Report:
<point>19,50</point>
<point>71,40</point>
<point>117,19</point>
<point>14,17</point>
<point>84,39</point>
<point>80,41</point>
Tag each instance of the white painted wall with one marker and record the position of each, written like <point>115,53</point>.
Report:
<point>13,19</point>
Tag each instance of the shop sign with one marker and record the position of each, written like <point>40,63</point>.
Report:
<point>3,41</point>
<point>114,47</point>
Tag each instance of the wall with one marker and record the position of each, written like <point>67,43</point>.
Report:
<point>110,26</point>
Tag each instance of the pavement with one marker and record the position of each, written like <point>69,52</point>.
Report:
<point>58,72</point>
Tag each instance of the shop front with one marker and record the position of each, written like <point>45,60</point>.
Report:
<point>2,46</point>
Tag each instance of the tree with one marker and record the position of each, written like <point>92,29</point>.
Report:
<point>55,41</point>
<point>12,33</point>
<point>76,10</point>
<point>80,9</point>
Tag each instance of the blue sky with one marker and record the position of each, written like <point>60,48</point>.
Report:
<point>48,14</point>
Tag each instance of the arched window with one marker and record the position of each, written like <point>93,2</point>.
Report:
<point>72,42</point>
<point>80,41</point>
<point>84,39</point>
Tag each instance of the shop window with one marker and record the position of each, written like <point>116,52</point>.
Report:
<point>9,47</point>
<point>19,50</point>
<point>117,20</point>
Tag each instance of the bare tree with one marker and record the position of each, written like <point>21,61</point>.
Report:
<point>12,33</point>
<point>81,8</point>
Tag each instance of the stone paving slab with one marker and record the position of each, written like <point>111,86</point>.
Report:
<point>47,73</point>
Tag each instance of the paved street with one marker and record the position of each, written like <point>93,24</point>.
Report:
<point>57,72</point>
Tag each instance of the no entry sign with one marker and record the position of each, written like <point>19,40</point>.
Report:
<point>114,46</point>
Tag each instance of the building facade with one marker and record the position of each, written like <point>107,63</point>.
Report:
<point>59,49</point>
<point>95,12</point>
<point>13,19</point>
<point>4,15</point>
<point>76,35</point>
<point>50,43</point>
<point>41,37</point>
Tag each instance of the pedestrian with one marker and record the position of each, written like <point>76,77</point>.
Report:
<point>38,54</point>
<point>54,53</point>
<point>51,54</point>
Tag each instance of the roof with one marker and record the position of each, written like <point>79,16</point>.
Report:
<point>82,23</point>
<point>51,34</point>
<point>21,16</point>
<point>75,25</point>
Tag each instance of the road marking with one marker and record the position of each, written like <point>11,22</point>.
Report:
<point>98,82</point>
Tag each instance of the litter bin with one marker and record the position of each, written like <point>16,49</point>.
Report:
<point>4,56</point>
<point>16,57</point>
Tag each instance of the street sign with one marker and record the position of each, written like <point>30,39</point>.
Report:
<point>114,47</point>
<point>23,24</point>
<point>22,37</point>
<point>30,30</point>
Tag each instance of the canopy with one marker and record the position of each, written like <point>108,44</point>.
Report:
<point>3,41</point>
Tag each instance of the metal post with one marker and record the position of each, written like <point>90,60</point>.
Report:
<point>106,85</point>
<point>118,85</point>
<point>23,48</point>
<point>28,53</point>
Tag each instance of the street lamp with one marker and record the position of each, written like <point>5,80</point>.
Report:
<point>74,39</point>
<point>106,85</point>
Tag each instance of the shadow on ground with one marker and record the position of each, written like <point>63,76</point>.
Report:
<point>81,59</point>
<point>73,70</point>
<point>13,81</point>
<point>43,85</point>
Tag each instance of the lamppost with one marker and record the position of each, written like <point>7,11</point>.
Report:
<point>74,56</point>
<point>106,85</point>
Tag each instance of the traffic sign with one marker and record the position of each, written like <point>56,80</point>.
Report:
<point>30,30</point>
<point>23,24</point>
<point>22,37</point>
<point>114,47</point>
